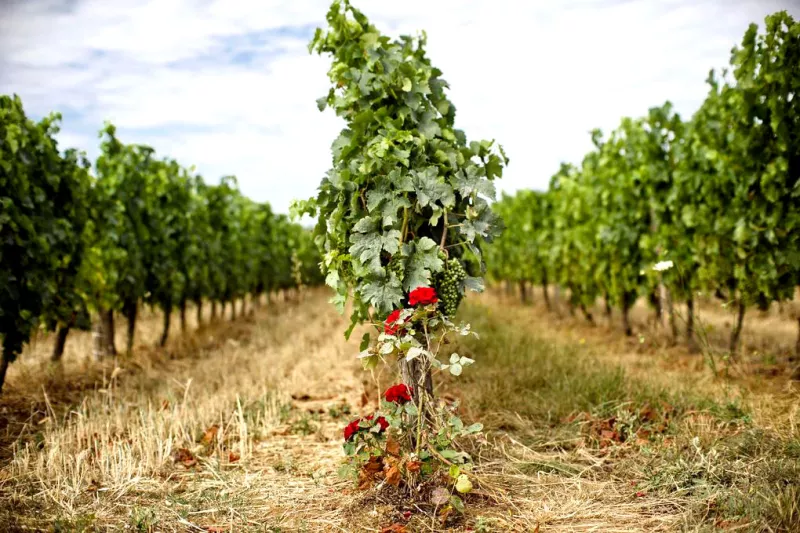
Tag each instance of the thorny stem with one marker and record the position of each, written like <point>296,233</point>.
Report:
<point>420,412</point>
<point>419,421</point>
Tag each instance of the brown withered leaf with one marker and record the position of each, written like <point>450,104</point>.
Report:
<point>609,434</point>
<point>413,466</point>
<point>185,457</point>
<point>164,405</point>
<point>608,437</point>
<point>233,457</point>
<point>647,414</point>
<point>394,528</point>
<point>365,479</point>
<point>210,434</point>
<point>393,476</point>
<point>374,465</point>
<point>392,446</point>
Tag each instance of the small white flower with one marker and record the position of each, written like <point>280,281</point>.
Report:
<point>662,266</point>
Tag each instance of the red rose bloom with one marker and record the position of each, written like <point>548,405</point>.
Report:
<point>423,296</point>
<point>355,426</point>
<point>398,393</point>
<point>389,326</point>
<point>351,429</point>
<point>382,422</point>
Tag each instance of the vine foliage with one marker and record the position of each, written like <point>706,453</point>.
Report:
<point>402,217</point>
<point>405,183</point>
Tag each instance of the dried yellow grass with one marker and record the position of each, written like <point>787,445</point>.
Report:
<point>98,441</point>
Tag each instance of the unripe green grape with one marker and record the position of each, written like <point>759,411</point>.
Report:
<point>448,286</point>
<point>397,265</point>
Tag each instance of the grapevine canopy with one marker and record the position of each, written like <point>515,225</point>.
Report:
<point>405,184</point>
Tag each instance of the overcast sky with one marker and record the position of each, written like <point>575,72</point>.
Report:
<point>229,86</point>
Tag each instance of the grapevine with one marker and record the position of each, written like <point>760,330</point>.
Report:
<point>715,197</point>
<point>142,230</point>
<point>404,205</point>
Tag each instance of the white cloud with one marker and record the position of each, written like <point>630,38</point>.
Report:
<point>536,76</point>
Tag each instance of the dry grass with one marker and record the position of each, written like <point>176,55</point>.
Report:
<point>108,460</point>
<point>730,456</point>
<point>94,447</point>
<point>768,339</point>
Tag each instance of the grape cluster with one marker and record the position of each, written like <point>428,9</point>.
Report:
<point>448,286</point>
<point>397,265</point>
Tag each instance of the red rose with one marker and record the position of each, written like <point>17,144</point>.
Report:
<point>355,426</point>
<point>382,422</point>
<point>351,429</point>
<point>423,296</point>
<point>389,326</point>
<point>398,393</point>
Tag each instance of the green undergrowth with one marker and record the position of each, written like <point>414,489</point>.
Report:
<point>664,441</point>
<point>526,382</point>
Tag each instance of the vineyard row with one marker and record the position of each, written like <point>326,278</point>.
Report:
<point>79,241</point>
<point>665,208</point>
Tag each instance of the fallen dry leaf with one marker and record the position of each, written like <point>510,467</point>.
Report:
<point>375,464</point>
<point>233,457</point>
<point>394,528</point>
<point>393,476</point>
<point>392,446</point>
<point>365,480</point>
<point>210,434</point>
<point>185,457</point>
